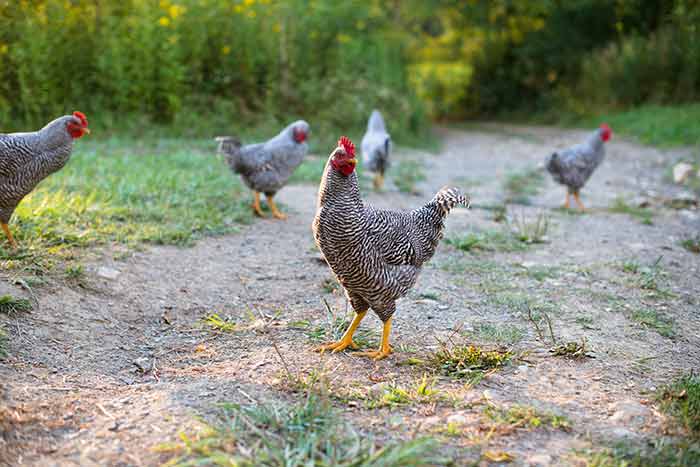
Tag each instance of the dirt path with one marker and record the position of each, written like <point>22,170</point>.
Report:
<point>103,374</point>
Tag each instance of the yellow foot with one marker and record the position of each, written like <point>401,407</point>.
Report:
<point>9,236</point>
<point>273,207</point>
<point>337,346</point>
<point>256,205</point>
<point>375,354</point>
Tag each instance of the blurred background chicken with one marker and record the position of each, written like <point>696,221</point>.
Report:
<point>28,158</point>
<point>266,167</point>
<point>572,167</point>
<point>376,146</point>
<point>376,255</point>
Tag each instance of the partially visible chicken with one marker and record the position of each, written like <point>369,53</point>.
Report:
<point>375,254</point>
<point>573,167</point>
<point>266,167</point>
<point>28,158</point>
<point>376,147</point>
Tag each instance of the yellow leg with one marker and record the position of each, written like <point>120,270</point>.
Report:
<point>578,201</point>
<point>256,204</point>
<point>273,208</point>
<point>567,203</point>
<point>346,340</point>
<point>10,238</point>
<point>385,349</point>
<point>378,181</point>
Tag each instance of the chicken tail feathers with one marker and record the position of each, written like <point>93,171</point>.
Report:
<point>449,197</point>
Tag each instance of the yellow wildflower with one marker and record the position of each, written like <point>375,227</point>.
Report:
<point>164,21</point>
<point>164,4</point>
<point>3,49</point>
<point>175,11</point>
<point>277,27</point>
<point>238,8</point>
<point>343,38</point>
<point>225,50</point>
<point>248,2</point>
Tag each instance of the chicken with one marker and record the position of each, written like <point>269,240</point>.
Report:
<point>573,167</point>
<point>28,158</point>
<point>376,255</point>
<point>376,147</point>
<point>266,167</point>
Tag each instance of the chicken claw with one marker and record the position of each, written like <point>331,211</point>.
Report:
<point>256,205</point>
<point>273,207</point>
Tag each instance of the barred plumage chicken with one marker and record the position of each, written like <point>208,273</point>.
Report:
<point>28,158</point>
<point>375,254</point>
<point>376,147</point>
<point>266,167</point>
<point>573,167</point>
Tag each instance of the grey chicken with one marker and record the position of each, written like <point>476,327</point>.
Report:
<point>375,254</point>
<point>376,147</point>
<point>572,167</point>
<point>28,158</point>
<point>266,167</point>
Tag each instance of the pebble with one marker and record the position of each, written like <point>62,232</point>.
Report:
<point>681,172</point>
<point>457,419</point>
<point>107,273</point>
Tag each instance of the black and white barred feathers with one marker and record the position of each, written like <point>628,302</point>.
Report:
<point>376,254</point>
<point>28,158</point>
<point>572,167</point>
<point>266,167</point>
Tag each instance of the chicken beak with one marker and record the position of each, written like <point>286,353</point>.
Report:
<point>353,161</point>
<point>86,131</point>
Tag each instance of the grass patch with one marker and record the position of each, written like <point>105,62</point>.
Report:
<point>649,278</point>
<point>692,244</point>
<point>541,273</point>
<point>644,215</point>
<point>487,240</point>
<point>10,304</point>
<point>308,433</point>
<point>467,362</point>
<point>408,174</point>
<point>681,399</point>
<point>573,349</point>
<point>658,453</point>
<point>531,230</point>
<point>501,334</point>
<point>677,125</point>
<point>652,319</point>
<point>392,395</point>
<point>217,323</point>
<point>520,186</point>
<point>4,342</point>
<point>520,417</point>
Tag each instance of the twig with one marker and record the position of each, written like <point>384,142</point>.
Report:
<point>104,411</point>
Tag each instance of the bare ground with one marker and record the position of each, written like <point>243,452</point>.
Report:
<point>104,372</point>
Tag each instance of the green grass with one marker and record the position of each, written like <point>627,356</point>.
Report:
<point>681,400</point>
<point>644,215</point>
<point>333,328</point>
<point>501,333</point>
<point>656,125</point>
<point>407,174</point>
<point>309,433</point>
<point>520,186</point>
<point>467,362</point>
<point>422,391</point>
<point>10,304</point>
<point>692,244</point>
<point>652,319</point>
<point>487,240</point>
<point>524,417</point>
<point>116,190</point>
<point>4,341</point>
<point>658,453</point>
<point>217,323</point>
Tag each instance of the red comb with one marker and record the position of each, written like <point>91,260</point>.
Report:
<point>345,142</point>
<point>81,116</point>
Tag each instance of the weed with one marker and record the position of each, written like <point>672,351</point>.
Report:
<point>681,399</point>
<point>692,244</point>
<point>334,328</point>
<point>75,271</point>
<point>507,420</point>
<point>644,215</point>
<point>4,341</point>
<point>329,285</point>
<point>408,174</point>
<point>308,433</point>
<point>519,186</point>
<point>540,273</point>
<point>649,318</point>
<point>648,278</point>
<point>487,240</point>
<point>658,453</point>
<point>467,361</point>
<point>500,213</point>
<point>531,231</point>
<point>218,323</point>
<point>422,391</point>
<point>10,304</point>
<point>429,295</point>
<point>501,334</point>
<point>574,350</point>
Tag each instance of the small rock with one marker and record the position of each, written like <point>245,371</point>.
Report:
<point>457,419</point>
<point>108,273</point>
<point>142,364</point>
<point>681,172</point>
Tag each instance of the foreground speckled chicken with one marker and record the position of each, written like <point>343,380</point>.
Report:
<point>573,167</point>
<point>28,158</point>
<point>376,255</point>
<point>376,147</point>
<point>266,167</point>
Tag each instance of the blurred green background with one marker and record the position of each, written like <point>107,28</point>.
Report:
<point>203,67</point>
